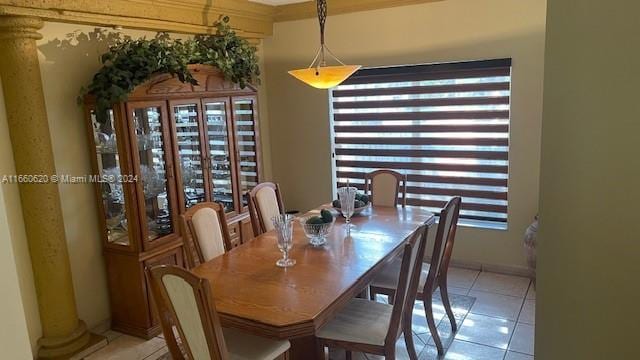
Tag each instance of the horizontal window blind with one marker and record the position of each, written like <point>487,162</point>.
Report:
<point>444,125</point>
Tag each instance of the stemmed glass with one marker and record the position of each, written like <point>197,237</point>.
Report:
<point>284,228</point>
<point>347,197</point>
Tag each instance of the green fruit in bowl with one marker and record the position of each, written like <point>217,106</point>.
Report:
<point>359,204</point>
<point>315,220</point>
<point>336,203</point>
<point>326,215</point>
<point>364,198</point>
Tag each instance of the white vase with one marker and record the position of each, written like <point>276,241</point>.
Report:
<point>530,242</point>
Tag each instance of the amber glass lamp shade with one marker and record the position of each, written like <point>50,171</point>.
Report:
<point>325,77</point>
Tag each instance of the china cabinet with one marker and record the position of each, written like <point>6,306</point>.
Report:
<point>170,146</point>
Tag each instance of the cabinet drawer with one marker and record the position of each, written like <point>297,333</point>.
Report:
<point>246,230</point>
<point>234,234</point>
<point>171,257</point>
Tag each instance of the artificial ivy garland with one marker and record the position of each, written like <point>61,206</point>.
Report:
<point>130,62</point>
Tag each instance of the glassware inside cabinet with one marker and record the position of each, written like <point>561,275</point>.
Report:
<point>219,154</point>
<point>153,171</point>
<point>188,139</point>
<point>112,191</point>
<point>245,125</point>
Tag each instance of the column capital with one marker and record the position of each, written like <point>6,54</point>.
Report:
<point>16,27</point>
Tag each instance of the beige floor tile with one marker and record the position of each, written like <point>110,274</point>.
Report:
<point>445,333</point>
<point>111,335</point>
<point>517,356</point>
<point>453,291</point>
<point>462,350</point>
<point>460,306</point>
<point>457,290</point>
<point>160,354</point>
<point>461,278</point>
<point>523,339</point>
<point>127,347</point>
<point>531,294</point>
<point>502,284</point>
<point>429,353</point>
<point>382,298</point>
<point>528,313</point>
<point>486,330</point>
<point>506,307</point>
<point>419,320</point>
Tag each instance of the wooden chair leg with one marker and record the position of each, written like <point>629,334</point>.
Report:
<point>372,294</point>
<point>391,298</point>
<point>428,312</point>
<point>348,355</point>
<point>408,335</point>
<point>444,294</point>
<point>391,354</point>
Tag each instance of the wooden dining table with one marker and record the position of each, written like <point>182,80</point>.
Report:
<point>252,294</point>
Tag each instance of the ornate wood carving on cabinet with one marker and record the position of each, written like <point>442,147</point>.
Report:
<point>170,146</point>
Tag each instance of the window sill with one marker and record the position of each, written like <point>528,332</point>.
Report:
<point>485,225</point>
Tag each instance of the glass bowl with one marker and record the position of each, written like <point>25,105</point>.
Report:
<point>356,211</point>
<point>316,233</point>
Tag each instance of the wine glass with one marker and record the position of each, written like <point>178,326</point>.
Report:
<point>284,228</point>
<point>347,197</point>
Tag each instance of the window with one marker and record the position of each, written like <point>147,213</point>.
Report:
<point>445,125</point>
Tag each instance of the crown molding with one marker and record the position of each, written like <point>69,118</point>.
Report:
<point>307,9</point>
<point>249,19</point>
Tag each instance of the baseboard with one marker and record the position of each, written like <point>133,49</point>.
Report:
<point>509,270</point>
<point>500,269</point>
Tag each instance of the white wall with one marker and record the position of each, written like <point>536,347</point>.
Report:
<point>589,243</point>
<point>451,30</point>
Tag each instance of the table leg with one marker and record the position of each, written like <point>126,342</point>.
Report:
<point>303,348</point>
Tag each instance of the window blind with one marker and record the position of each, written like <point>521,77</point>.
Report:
<point>444,125</point>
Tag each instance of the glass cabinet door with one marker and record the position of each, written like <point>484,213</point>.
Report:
<point>186,118</point>
<point>244,122</point>
<point>112,186</point>
<point>150,139</point>
<point>220,156</point>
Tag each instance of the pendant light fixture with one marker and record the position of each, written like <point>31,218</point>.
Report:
<point>318,74</point>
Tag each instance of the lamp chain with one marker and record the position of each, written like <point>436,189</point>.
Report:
<point>322,18</point>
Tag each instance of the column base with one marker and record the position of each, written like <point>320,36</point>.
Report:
<point>80,342</point>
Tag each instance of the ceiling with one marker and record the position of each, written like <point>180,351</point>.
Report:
<point>278,2</point>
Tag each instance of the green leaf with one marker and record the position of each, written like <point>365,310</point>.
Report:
<point>129,62</point>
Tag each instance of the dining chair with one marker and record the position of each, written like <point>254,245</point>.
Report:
<point>432,276</point>
<point>384,186</point>
<point>205,229</point>
<point>372,327</point>
<point>265,201</point>
<point>186,309</point>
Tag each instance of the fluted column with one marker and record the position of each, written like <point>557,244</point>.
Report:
<point>63,333</point>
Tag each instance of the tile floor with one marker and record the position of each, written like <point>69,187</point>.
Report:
<point>495,314</point>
